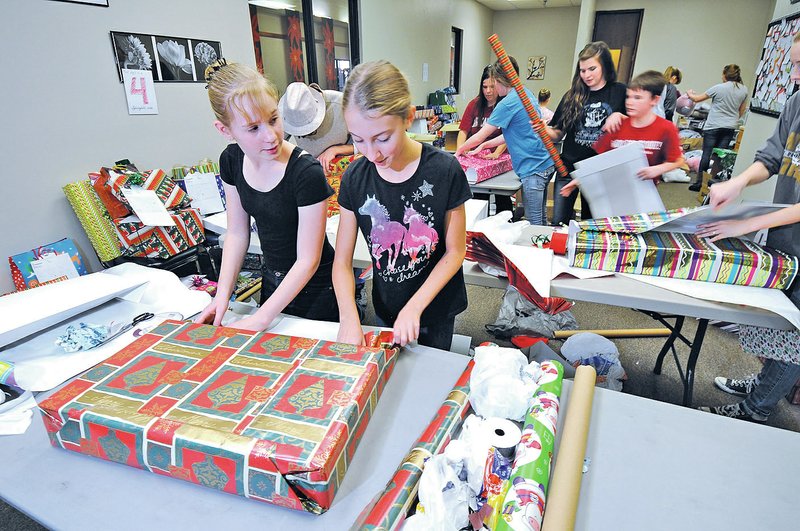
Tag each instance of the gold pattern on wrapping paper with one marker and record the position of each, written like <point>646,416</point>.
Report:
<point>307,432</point>
<point>305,343</point>
<point>154,410</point>
<point>229,393</point>
<point>107,401</point>
<point>320,458</point>
<point>180,472</point>
<point>259,394</point>
<point>276,344</point>
<point>89,447</point>
<point>202,332</point>
<point>209,474</point>
<point>343,348</point>
<point>181,350</point>
<point>146,376</point>
<point>341,398</point>
<point>333,367</point>
<point>163,428</point>
<point>459,397</point>
<point>308,398</point>
<point>130,417</point>
<point>201,421</point>
<point>278,367</point>
<point>172,377</point>
<point>114,448</point>
<point>416,458</point>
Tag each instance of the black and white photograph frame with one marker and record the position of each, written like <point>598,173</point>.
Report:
<point>536,65</point>
<point>170,59</point>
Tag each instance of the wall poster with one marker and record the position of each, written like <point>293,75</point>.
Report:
<point>773,85</point>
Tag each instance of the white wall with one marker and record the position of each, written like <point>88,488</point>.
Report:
<point>412,32</point>
<point>549,32</point>
<point>65,112</point>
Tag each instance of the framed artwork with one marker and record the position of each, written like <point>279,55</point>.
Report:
<point>536,66</point>
<point>170,59</point>
<point>773,84</point>
<point>98,3</point>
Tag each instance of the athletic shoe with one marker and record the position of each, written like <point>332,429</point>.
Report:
<point>737,387</point>
<point>734,411</point>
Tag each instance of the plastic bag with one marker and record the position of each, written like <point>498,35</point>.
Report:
<point>675,176</point>
<point>499,385</point>
<point>519,316</point>
<point>443,495</point>
<point>587,348</point>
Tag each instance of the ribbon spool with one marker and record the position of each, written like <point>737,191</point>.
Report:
<point>538,125</point>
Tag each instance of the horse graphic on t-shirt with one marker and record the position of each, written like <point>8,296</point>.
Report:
<point>386,236</point>
<point>419,237</point>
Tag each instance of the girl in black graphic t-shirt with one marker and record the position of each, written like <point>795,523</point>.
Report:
<point>283,189</point>
<point>408,201</point>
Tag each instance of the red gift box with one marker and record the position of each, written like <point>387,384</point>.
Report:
<point>268,417</point>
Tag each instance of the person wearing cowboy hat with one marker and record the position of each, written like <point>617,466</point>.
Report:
<point>313,117</point>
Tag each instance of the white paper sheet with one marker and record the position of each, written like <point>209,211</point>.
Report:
<point>53,266</point>
<point>16,415</point>
<point>203,189</point>
<point>148,207</point>
<point>534,263</point>
<point>30,311</point>
<point>610,184</point>
<point>772,300</point>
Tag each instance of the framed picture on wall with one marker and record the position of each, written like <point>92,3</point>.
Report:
<point>171,59</point>
<point>773,84</point>
<point>536,65</point>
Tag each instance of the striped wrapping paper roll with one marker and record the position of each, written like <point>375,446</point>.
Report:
<point>94,219</point>
<point>391,507</point>
<point>538,125</point>
<point>7,373</point>
<point>635,223</point>
<point>525,498</point>
<point>204,166</point>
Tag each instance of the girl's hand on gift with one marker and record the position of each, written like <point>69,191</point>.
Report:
<point>568,188</point>
<point>351,333</point>
<point>406,326</point>
<point>720,194</point>
<point>725,229</point>
<point>476,151</point>
<point>492,155</point>
<point>213,313</point>
<point>325,159</point>
<point>649,172</point>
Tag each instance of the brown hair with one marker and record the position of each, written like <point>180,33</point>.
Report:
<point>578,93</point>
<point>500,75</point>
<point>672,71</point>
<point>544,95</point>
<point>378,86</point>
<point>732,73</point>
<point>236,87</point>
<point>650,80</point>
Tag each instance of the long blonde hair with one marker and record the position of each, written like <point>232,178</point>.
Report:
<point>378,86</point>
<point>236,87</point>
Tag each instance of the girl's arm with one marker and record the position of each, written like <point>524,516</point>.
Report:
<point>237,240</point>
<point>462,137</point>
<point>613,122</point>
<point>489,144</point>
<point>473,141</point>
<point>331,153</point>
<point>695,97</point>
<point>406,326</point>
<point>343,283</point>
<point>743,107</point>
<point>310,238</point>
<point>556,135</point>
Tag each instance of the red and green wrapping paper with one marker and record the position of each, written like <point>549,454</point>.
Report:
<point>537,123</point>
<point>138,239</point>
<point>626,245</point>
<point>268,417</point>
<point>391,507</point>
<point>524,502</point>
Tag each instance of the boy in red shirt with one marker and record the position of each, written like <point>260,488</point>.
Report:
<point>658,136</point>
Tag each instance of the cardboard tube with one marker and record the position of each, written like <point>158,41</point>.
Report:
<point>248,293</point>
<point>625,332</point>
<point>565,487</point>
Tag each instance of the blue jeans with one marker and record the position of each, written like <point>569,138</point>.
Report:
<point>775,380</point>
<point>438,336</point>
<point>713,138</point>
<point>534,196</point>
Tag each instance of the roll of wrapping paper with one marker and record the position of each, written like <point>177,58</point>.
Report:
<point>525,496</point>
<point>562,503</point>
<point>538,125</point>
<point>390,508</point>
<point>7,373</point>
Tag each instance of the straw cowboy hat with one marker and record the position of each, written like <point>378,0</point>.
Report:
<point>302,109</point>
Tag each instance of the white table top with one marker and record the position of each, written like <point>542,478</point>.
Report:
<point>64,490</point>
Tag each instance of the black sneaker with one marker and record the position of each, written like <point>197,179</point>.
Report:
<point>737,387</point>
<point>734,411</point>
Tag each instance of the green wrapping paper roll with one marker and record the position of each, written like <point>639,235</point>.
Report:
<point>538,125</point>
<point>390,508</point>
<point>94,219</point>
<point>523,505</point>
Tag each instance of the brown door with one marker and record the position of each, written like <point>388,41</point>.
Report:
<point>620,30</point>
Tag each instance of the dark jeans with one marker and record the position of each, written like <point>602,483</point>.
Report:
<point>315,301</point>
<point>712,138</point>
<point>438,336</point>
<point>564,207</point>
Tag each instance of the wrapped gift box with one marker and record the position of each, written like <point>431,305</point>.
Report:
<point>479,169</point>
<point>268,417</point>
<point>138,239</point>
<point>681,255</point>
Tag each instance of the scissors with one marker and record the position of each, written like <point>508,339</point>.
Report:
<point>136,320</point>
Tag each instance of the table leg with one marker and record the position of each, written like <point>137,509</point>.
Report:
<point>670,342</point>
<point>697,343</point>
